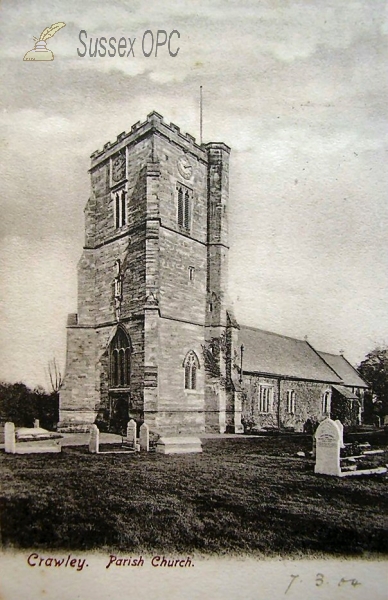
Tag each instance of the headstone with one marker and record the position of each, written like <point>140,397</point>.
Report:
<point>94,439</point>
<point>9,438</point>
<point>341,430</point>
<point>131,434</point>
<point>328,441</point>
<point>178,445</point>
<point>144,437</point>
<point>36,423</point>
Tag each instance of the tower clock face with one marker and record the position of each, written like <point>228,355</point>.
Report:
<point>184,167</point>
<point>118,168</point>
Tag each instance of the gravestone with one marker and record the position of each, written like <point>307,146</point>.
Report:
<point>341,430</point>
<point>328,441</point>
<point>131,434</point>
<point>94,439</point>
<point>36,423</point>
<point>9,438</point>
<point>144,437</point>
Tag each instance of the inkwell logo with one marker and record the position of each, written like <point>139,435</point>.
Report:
<point>41,52</point>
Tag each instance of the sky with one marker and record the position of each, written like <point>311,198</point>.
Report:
<point>297,89</point>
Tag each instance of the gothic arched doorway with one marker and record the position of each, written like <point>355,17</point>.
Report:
<point>120,350</point>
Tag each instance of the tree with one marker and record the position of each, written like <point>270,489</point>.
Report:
<point>374,370</point>
<point>22,406</point>
<point>55,376</point>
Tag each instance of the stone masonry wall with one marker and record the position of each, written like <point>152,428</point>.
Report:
<point>168,154</point>
<point>181,249</point>
<point>179,297</point>
<point>179,410</point>
<point>219,398</point>
<point>308,402</point>
<point>79,395</point>
<point>86,383</point>
<point>137,156</point>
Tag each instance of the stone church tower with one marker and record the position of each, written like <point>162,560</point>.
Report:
<point>150,339</point>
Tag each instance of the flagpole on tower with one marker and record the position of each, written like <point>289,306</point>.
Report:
<point>200,115</point>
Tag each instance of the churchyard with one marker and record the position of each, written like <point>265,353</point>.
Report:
<point>241,495</point>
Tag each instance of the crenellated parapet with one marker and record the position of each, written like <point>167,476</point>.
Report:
<point>154,122</point>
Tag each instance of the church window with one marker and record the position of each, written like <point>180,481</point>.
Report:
<point>291,402</point>
<point>265,398</point>
<point>184,208</point>
<point>120,360</point>
<point>191,273</point>
<point>120,208</point>
<point>326,403</point>
<point>191,365</point>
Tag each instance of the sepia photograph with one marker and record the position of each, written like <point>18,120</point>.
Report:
<point>194,295</point>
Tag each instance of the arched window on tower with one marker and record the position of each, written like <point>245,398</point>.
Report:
<point>191,366</point>
<point>120,359</point>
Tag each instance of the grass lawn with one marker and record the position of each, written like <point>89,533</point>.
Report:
<point>244,495</point>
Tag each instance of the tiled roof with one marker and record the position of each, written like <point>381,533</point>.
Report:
<point>344,369</point>
<point>273,354</point>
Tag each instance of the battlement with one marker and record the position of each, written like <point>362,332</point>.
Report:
<point>154,122</point>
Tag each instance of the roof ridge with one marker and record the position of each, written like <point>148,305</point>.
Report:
<point>328,353</point>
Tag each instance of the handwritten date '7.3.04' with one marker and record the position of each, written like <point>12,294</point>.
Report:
<point>321,580</point>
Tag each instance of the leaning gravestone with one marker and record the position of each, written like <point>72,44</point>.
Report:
<point>9,438</point>
<point>341,430</point>
<point>131,434</point>
<point>94,439</point>
<point>144,437</point>
<point>328,441</point>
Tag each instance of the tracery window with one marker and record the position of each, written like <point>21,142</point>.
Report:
<point>191,365</point>
<point>120,359</point>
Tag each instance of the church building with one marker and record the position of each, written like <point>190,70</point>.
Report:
<point>154,338</point>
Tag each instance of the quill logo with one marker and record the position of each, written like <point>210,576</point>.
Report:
<point>41,52</point>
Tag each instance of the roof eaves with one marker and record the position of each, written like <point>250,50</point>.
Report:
<point>291,377</point>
